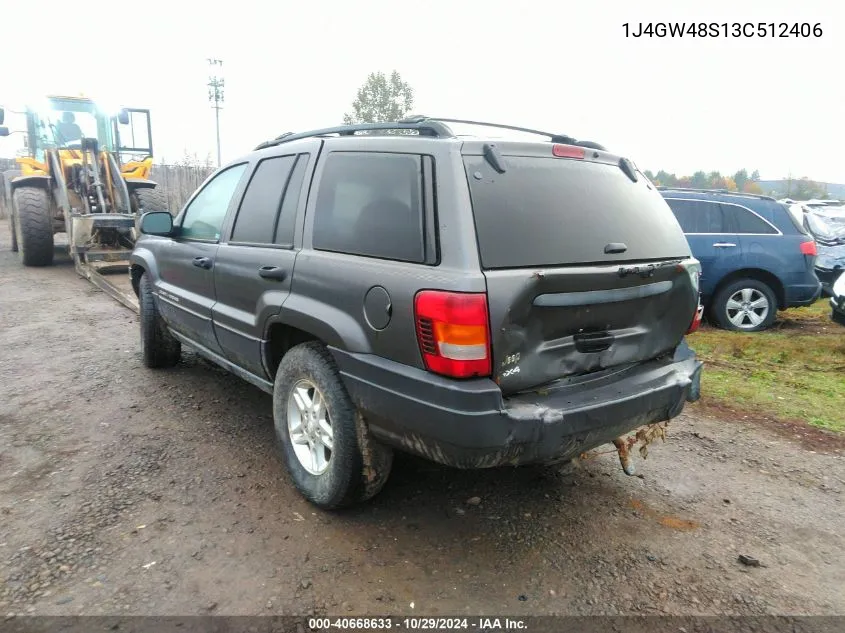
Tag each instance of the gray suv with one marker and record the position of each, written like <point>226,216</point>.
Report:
<point>475,301</point>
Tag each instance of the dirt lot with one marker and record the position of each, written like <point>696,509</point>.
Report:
<point>128,491</point>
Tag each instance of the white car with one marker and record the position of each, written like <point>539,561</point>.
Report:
<point>837,300</point>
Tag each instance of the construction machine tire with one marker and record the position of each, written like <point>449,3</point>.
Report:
<point>150,200</point>
<point>34,225</point>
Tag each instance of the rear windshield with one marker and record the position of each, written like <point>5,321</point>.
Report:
<point>552,211</point>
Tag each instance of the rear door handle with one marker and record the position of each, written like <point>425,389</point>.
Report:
<point>203,262</point>
<point>724,245</point>
<point>273,272</point>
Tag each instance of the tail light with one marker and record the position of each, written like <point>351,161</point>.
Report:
<point>696,320</point>
<point>809,248</point>
<point>453,332</point>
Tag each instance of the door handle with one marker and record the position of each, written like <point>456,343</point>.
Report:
<point>724,245</point>
<point>273,272</point>
<point>202,262</point>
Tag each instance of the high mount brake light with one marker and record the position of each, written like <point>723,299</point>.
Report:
<point>453,332</point>
<point>568,151</point>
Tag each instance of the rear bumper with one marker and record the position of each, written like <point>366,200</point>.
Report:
<point>798,295</point>
<point>468,424</point>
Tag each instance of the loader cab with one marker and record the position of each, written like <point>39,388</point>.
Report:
<point>61,123</point>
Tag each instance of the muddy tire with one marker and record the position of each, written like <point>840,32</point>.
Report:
<point>150,200</point>
<point>158,346</point>
<point>34,225</point>
<point>745,305</point>
<point>324,442</point>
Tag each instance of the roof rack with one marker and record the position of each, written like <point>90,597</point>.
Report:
<point>425,126</point>
<point>727,191</point>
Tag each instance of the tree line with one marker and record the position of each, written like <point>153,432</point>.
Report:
<point>740,181</point>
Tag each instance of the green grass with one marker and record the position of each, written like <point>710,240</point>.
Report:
<point>795,371</point>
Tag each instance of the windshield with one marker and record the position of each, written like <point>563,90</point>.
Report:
<point>63,124</point>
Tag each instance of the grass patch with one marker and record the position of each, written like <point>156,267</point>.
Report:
<point>792,372</point>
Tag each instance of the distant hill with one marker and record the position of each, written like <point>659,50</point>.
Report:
<point>779,187</point>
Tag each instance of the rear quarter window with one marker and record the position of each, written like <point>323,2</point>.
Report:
<point>372,204</point>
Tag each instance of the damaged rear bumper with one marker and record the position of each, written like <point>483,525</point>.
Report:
<point>468,424</point>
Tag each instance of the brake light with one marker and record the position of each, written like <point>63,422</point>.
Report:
<point>809,248</point>
<point>453,332</point>
<point>567,151</point>
<point>696,320</point>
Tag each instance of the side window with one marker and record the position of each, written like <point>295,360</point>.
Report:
<point>256,220</point>
<point>744,221</point>
<point>204,215</point>
<point>287,217</point>
<point>698,216</point>
<point>371,204</point>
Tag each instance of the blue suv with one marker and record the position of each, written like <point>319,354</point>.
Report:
<point>755,257</point>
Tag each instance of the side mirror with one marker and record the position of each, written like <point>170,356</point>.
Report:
<point>157,223</point>
<point>4,131</point>
<point>123,116</point>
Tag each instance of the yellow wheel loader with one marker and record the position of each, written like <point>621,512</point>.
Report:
<point>86,174</point>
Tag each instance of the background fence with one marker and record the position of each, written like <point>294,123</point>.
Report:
<point>179,181</point>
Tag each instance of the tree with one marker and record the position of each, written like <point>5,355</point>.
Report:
<point>730,184</point>
<point>381,99</point>
<point>740,178</point>
<point>666,179</point>
<point>755,176</point>
<point>700,180</point>
<point>752,187</point>
<point>805,189</point>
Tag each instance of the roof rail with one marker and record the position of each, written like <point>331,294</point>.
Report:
<point>425,126</point>
<point>727,191</point>
<point>554,138</point>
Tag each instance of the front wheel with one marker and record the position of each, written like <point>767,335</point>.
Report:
<point>745,305</point>
<point>327,449</point>
<point>33,222</point>
<point>158,346</point>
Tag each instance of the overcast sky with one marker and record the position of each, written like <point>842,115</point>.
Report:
<point>679,104</point>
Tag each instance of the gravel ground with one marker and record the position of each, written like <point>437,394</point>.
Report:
<point>130,491</point>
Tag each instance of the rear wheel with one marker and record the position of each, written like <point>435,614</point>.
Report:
<point>745,305</point>
<point>33,223</point>
<point>329,453</point>
<point>158,346</point>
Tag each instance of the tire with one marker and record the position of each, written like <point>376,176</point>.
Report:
<point>731,301</point>
<point>158,346</point>
<point>34,225</point>
<point>13,229</point>
<point>150,200</point>
<point>356,467</point>
<point>6,198</point>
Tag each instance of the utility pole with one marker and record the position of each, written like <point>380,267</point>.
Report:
<point>215,96</point>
